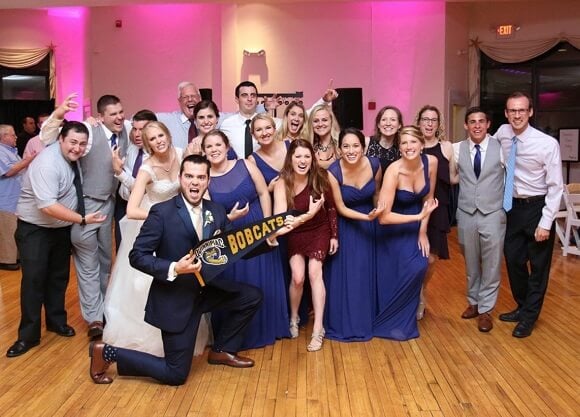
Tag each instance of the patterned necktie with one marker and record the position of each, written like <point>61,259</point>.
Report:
<point>197,222</point>
<point>192,132</point>
<point>509,176</point>
<point>79,189</point>
<point>248,145</point>
<point>477,161</point>
<point>138,162</point>
<point>113,140</point>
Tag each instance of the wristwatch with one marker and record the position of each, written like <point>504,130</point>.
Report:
<point>83,221</point>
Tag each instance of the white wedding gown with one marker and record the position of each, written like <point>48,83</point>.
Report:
<point>129,288</point>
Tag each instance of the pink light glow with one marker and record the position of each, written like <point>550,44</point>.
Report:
<point>67,28</point>
<point>74,12</point>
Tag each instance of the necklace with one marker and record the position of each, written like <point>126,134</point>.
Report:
<point>320,147</point>
<point>172,158</point>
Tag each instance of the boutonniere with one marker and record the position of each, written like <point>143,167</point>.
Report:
<point>208,218</point>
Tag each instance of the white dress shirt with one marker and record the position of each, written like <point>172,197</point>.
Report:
<point>126,176</point>
<point>538,169</point>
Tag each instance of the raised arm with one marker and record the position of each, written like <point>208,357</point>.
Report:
<point>51,126</point>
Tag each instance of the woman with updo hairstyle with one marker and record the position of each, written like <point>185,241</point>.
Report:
<point>239,186</point>
<point>402,254</point>
<point>355,180</point>
<point>157,181</point>
<point>269,157</point>
<point>430,121</point>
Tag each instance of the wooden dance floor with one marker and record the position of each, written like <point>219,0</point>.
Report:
<point>451,370</point>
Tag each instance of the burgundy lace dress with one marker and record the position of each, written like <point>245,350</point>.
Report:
<point>312,239</point>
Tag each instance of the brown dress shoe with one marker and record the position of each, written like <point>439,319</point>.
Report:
<point>229,359</point>
<point>95,329</point>
<point>484,322</point>
<point>470,312</point>
<point>98,364</point>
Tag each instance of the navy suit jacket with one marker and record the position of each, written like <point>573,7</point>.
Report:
<point>166,236</point>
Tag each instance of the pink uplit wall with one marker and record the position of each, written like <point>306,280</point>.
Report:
<point>157,47</point>
<point>393,50</point>
<point>408,61</point>
<point>64,28</point>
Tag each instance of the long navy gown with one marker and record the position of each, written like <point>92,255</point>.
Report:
<point>401,268</point>
<point>350,274</point>
<point>263,271</point>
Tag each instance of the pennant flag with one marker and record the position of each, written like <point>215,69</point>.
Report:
<point>222,250</point>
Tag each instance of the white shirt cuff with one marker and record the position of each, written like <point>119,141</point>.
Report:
<point>171,275</point>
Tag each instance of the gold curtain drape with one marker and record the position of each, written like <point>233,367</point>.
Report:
<point>512,52</point>
<point>24,58</point>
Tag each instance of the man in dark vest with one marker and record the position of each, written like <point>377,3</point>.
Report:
<point>92,243</point>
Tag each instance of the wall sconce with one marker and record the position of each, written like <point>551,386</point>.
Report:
<point>261,52</point>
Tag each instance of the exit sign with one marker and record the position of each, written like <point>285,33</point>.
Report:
<point>505,31</point>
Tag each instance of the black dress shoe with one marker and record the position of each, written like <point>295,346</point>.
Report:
<point>65,330</point>
<point>523,329</point>
<point>512,316</point>
<point>20,347</point>
<point>10,267</point>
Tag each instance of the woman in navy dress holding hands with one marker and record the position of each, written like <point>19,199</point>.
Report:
<point>355,181</point>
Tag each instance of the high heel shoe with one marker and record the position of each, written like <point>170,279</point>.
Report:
<point>316,341</point>
<point>421,310</point>
<point>294,327</point>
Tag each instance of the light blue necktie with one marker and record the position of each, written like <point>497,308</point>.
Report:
<point>509,176</point>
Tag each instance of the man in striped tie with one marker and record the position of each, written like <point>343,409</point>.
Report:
<point>533,190</point>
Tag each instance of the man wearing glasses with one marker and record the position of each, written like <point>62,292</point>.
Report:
<point>533,190</point>
<point>180,122</point>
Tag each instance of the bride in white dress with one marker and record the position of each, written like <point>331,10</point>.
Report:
<point>128,288</point>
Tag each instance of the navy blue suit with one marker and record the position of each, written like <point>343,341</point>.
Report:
<point>176,306</point>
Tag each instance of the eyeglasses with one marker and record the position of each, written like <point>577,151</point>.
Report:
<point>426,120</point>
<point>190,97</point>
<point>514,112</point>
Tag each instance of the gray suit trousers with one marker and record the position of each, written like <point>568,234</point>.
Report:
<point>481,241</point>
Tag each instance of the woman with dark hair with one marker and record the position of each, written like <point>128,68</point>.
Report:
<point>293,123</point>
<point>304,186</point>
<point>355,180</point>
<point>430,121</point>
<point>385,142</point>
<point>407,196</point>
<point>206,115</point>
<point>235,184</point>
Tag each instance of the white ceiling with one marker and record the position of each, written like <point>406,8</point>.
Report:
<point>23,4</point>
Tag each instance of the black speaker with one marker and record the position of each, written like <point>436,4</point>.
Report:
<point>348,107</point>
<point>206,93</point>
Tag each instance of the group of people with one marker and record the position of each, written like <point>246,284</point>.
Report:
<point>370,218</point>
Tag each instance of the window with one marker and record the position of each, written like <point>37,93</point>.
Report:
<point>552,79</point>
<point>25,83</point>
